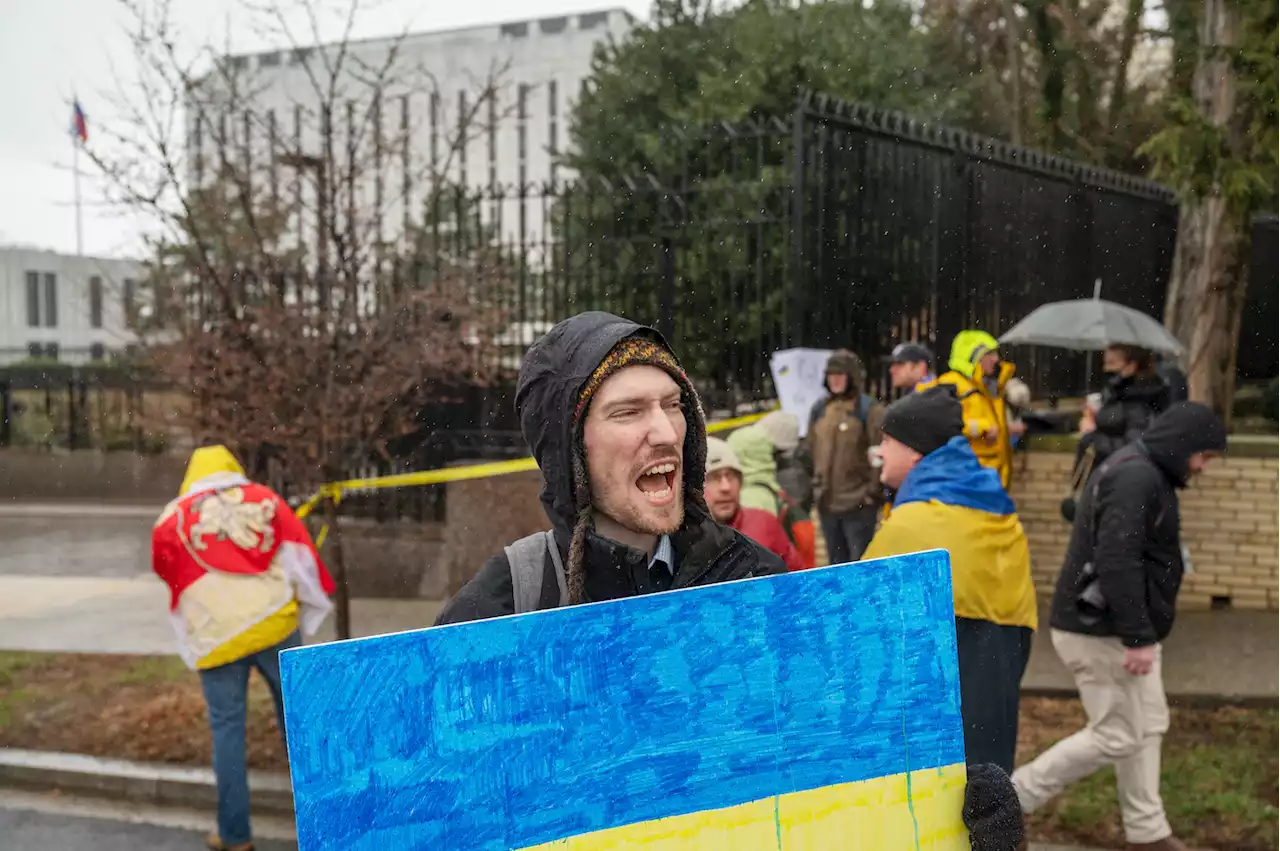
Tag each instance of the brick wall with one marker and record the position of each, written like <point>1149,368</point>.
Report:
<point>1229,524</point>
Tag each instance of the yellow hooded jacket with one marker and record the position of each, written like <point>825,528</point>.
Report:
<point>982,409</point>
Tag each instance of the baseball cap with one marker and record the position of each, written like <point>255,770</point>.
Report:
<point>911,353</point>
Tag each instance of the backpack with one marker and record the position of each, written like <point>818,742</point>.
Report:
<point>528,560</point>
<point>795,522</point>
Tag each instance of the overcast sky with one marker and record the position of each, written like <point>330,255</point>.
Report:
<point>50,49</point>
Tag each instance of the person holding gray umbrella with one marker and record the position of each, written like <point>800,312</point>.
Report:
<point>1134,395</point>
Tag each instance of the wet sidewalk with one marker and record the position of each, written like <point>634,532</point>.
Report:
<point>1211,655</point>
<point>131,615</point>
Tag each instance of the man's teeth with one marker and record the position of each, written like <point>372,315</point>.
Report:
<point>660,469</point>
<point>662,494</point>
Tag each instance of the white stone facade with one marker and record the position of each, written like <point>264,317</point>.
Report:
<point>64,307</point>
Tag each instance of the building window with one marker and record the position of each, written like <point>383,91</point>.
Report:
<point>300,55</point>
<point>519,29</point>
<point>130,302</point>
<point>50,300</point>
<point>42,351</point>
<point>95,302</point>
<point>33,299</point>
<point>97,352</point>
<point>552,26</point>
<point>269,60</point>
<point>591,20</point>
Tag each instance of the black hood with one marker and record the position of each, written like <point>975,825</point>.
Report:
<point>1180,432</point>
<point>551,379</point>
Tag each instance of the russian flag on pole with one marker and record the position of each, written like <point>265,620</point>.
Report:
<point>78,126</point>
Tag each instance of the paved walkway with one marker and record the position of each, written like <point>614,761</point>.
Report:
<point>116,615</point>
<point>1210,655</point>
<point>77,578</point>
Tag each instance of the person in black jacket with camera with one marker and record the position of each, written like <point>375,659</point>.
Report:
<point>1113,605</point>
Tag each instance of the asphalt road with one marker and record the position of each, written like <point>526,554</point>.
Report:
<point>26,830</point>
<point>82,544</point>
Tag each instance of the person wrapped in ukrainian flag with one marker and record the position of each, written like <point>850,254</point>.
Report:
<point>946,499</point>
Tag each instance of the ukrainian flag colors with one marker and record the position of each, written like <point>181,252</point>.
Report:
<point>815,710</point>
<point>884,813</point>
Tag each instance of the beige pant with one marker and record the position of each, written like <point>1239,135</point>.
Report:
<point>1128,716</point>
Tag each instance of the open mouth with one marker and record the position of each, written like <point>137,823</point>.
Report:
<point>658,482</point>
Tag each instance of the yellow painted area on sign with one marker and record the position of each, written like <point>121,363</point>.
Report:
<point>898,812</point>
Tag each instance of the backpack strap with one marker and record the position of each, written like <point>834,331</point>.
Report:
<point>527,558</point>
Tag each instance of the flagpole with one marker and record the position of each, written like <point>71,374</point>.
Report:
<point>75,170</point>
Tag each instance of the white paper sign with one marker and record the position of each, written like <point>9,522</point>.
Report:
<point>798,376</point>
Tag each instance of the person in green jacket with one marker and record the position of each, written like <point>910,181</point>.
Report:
<point>760,488</point>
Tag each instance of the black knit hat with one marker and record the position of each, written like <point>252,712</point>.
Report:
<point>925,420</point>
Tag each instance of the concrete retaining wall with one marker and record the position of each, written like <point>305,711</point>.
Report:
<point>86,476</point>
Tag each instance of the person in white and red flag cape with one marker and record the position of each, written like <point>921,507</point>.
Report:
<point>244,580</point>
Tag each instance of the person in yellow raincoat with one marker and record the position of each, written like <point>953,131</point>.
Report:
<point>978,377</point>
<point>946,500</point>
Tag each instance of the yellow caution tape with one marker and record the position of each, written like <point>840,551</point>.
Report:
<point>335,490</point>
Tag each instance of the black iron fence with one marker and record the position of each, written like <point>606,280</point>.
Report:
<point>836,225</point>
<point>1257,352</point>
<point>904,231</point>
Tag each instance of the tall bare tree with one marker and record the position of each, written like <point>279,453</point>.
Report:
<point>307,294</point>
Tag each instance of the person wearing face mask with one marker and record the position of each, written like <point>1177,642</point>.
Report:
<point>1134,395</point>
<point>1113,605</point>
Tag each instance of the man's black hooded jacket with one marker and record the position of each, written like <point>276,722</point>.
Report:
<point>1127,528</point>
<point>551,379</point>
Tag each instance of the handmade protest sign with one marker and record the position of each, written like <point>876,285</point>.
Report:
<point>799,376</point>
<point>815,710</point>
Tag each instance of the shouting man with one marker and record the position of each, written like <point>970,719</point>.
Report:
<point>619,435</point>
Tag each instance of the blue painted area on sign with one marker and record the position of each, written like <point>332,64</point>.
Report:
<point>520,730</point>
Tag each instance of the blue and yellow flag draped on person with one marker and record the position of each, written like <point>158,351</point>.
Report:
<point>949,501</point>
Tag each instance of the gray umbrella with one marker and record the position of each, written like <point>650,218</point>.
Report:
<point>1091,324</point>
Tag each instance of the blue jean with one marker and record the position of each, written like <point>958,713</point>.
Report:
<point>225,695</point>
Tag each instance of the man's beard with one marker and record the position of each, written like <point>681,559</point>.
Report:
<point>635,518</point>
